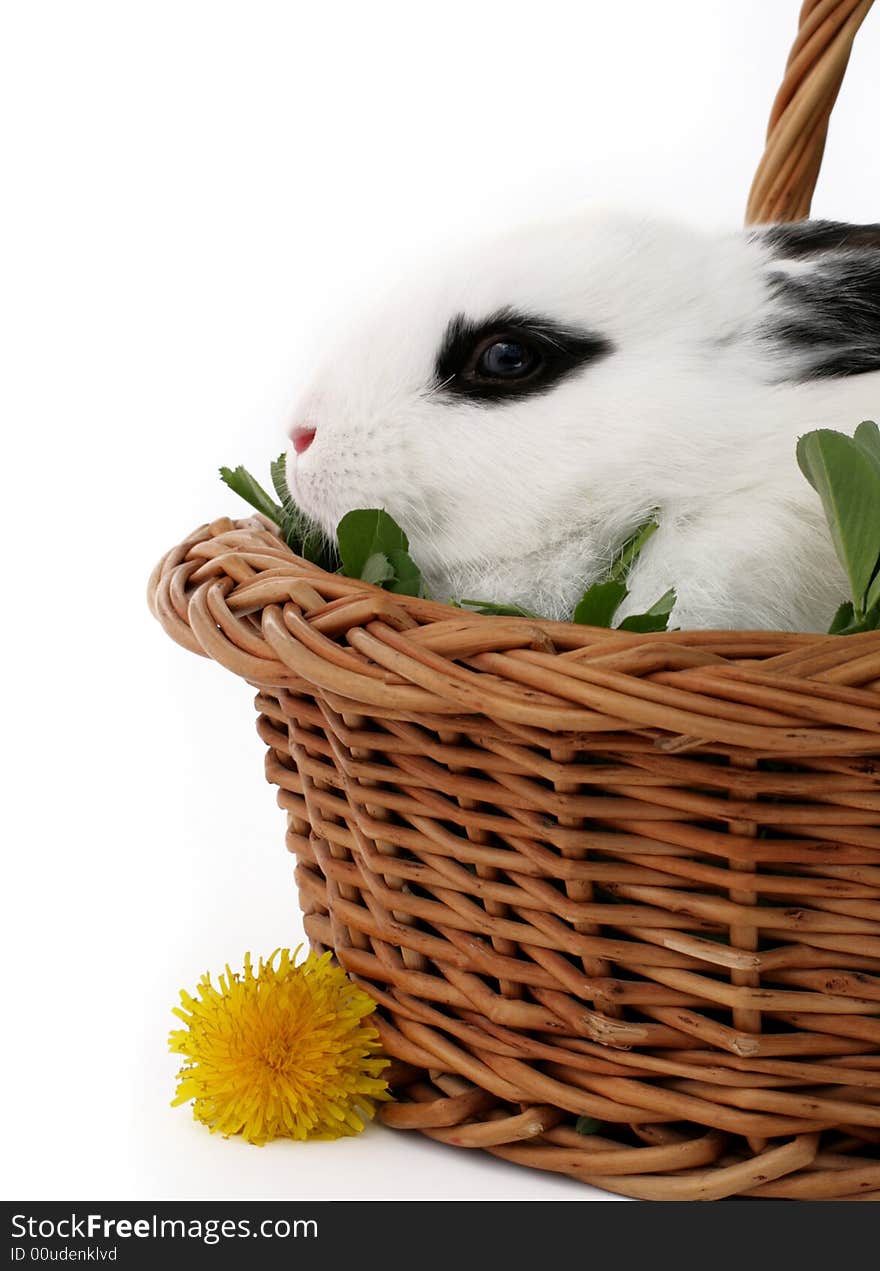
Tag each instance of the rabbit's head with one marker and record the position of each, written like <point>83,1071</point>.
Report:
<point>520,407</point>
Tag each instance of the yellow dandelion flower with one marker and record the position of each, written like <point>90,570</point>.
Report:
<point>283,1051</point>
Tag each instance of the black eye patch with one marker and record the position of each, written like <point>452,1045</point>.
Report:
<point>511,355</point>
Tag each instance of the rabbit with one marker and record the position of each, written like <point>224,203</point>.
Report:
<point>531,400</point>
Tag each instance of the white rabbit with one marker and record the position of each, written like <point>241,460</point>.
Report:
<point>521,408</point>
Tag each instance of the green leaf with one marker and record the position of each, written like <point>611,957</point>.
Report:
<point>842,619</point>
<point>368,533</point>
<point>870,621</point>
<point>377,569</point>
<point>278,470</point>
<point>654,619</point>
<point>587,1125</point>
<point>407,577</point>
<point>501,611</point>
<point>628,554</point>
<point>873,596</point>
<point>314,546</point>
<point>295,525</point>
<point>848,483</point>
<point>363,532</point>
<point>599,603</point>
<point>249,489</point>
<point>300,533</point>
<point>867,438</point>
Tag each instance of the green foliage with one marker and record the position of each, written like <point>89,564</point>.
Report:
<point>587,1125</point>
<point>843,619</point>
<point>627,555</point>
<point>372,546</point>
<point>302,535</point>
<point>654,619</point>
<point>501,611</point>
<point>867,438</point>
<point>249,489</point>
<point>599,604</point>
<point>845,473</point>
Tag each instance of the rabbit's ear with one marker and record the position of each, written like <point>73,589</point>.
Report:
<point>824,278</point>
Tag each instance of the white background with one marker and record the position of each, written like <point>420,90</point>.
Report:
<point>192,190</point>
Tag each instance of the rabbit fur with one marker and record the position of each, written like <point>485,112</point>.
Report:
<point>685,365</point>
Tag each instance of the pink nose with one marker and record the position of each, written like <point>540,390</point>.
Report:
<point>302,438</point>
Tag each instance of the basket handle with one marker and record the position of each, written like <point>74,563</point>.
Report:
<point>786,177</point>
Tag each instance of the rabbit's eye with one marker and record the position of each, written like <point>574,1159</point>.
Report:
<point>510,355</point>
<point>507,359</point>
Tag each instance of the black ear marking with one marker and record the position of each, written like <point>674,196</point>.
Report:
<point>799,239</point>
<point>557,351</point>
<point>826,298</point>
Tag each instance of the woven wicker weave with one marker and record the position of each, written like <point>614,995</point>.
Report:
<point>584,872</point>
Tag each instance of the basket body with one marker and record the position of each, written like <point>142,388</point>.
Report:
<point>587,874</point>
<point>584,873</point>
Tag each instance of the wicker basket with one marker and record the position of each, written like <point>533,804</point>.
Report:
<point>586,873</point>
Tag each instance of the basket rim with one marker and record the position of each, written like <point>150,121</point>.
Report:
<point>233,591</point>
<point>438,610</point>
